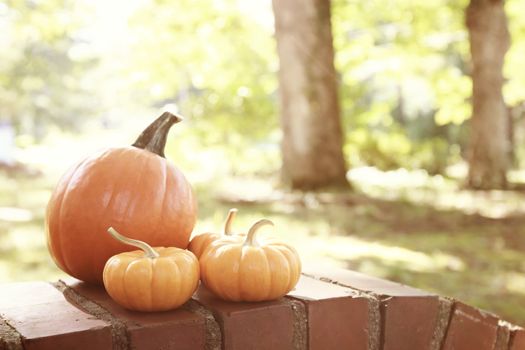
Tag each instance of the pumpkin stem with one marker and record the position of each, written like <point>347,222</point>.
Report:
<point>229,220</point>
<point>148,250</point>
<point>250,238</point>
<point>153,138</point>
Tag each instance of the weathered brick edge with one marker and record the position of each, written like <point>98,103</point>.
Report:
<point>450,319</point>
<point>300,324</point>
<point>119,332</point>
<point>503,337</point>
<point>213,330</point>
<point>10,339</point>
<point>374,319</point>
<point>445,311</point>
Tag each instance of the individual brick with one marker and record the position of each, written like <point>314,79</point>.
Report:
<point>177,329</point>
<point>471,328</point>
<point>410,318</point>
<point>256,326</point>
<point>338,317</point>
<point>414,322</point>
<point>46,320</point>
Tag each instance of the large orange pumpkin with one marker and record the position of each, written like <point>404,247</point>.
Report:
<point>134,189</point>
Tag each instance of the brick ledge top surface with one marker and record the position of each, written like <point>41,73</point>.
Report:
<point>330,308</point>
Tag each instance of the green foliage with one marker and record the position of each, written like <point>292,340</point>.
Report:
<point>404,83</point>
<point>403,68</point>
<point>404,80</point>
<point>42,81</point>
<point>392,149</point>
<point>215,61</point>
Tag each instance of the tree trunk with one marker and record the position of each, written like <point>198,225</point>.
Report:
<point>489,41</point>
<point>310,116</point>
<point>511,138</point>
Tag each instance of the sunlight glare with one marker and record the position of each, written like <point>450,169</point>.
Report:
<point>354,249</point>
<point>11,214</point>
<point>515,282</point>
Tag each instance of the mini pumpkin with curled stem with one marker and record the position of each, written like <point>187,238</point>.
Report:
<point>244,268</point>
<point>199,243</point>
<point>150,279</point>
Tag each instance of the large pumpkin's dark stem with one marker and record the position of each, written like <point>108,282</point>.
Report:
<point>153,138</point>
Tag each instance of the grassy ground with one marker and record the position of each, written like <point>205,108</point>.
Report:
<point>405,226</point>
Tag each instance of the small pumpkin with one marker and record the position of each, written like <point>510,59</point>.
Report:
<point>132,188</point>
<point>241,268</point>
<point>150,279</point>
<point>199,243</point>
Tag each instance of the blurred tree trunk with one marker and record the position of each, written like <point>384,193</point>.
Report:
<point>489,41</point>
<point>310,116</point>
<point>511,138</point>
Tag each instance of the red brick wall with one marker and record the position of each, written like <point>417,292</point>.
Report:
<point>329,309</point>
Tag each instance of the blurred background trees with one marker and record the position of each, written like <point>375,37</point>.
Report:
<point>407,100</point>
<point>44,76</point>
<point>403,72</point>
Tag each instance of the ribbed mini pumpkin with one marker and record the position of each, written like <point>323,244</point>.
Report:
<point>244,268</point>
<point>199,243</point>
<point>150,279</point>
<point>134,189</point>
